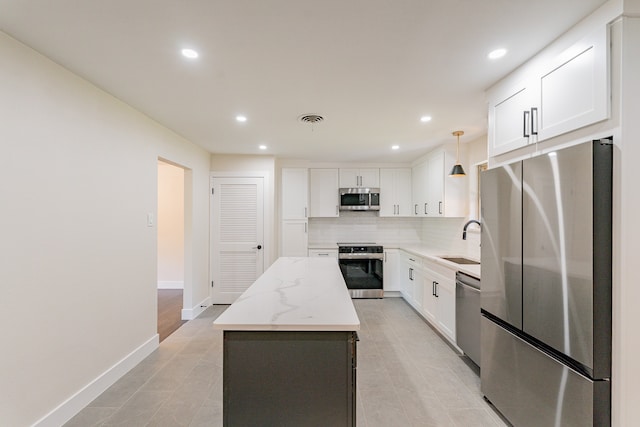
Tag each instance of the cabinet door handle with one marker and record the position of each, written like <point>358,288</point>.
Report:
<point>534,120</point>
<point>440,208</point>
<point>305,212</point>
<point>337,210</point>
<point>305,228</point>
<point>410,273</point>
<point>415,209</point>
<point>435,289</point>
<point>525,121</point>
<point>425,208</point>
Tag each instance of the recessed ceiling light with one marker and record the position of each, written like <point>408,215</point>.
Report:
<point>395,147</point>
<point>498,53</point>
<point>241,119</point>
<point>262,147</point>
<point>189,53</point>
<point>425,119</point>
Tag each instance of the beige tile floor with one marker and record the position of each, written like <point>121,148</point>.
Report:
<point>407,376</point>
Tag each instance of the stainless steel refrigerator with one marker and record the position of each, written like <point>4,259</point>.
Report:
<point>546,287</point>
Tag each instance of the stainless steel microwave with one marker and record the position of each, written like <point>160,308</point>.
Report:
<point>359,199</point>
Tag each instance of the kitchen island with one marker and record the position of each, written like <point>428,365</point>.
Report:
<point>290,348</point>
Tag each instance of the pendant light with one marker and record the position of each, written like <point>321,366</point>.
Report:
<point>457,170</point>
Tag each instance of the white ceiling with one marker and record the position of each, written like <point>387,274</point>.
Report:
<point>372,68</point>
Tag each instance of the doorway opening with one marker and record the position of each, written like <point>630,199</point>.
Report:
<point>171,247</point>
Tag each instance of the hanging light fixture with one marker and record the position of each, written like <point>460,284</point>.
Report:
<point>457,170</point>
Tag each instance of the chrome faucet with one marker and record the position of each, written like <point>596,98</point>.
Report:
<point>464,230</point>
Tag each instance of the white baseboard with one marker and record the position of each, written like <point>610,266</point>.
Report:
<point>169,284</point>
<point>69,408</point>
<point>192,313</point>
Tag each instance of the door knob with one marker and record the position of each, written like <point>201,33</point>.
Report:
<point>257,247</point>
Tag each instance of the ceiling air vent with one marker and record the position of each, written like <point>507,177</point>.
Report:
<point>311,118</point>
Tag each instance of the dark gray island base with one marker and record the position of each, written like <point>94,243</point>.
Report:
<point>290,348</point>
<point>289,378</point>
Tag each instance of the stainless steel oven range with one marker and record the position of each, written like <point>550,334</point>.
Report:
<point>361,267</point>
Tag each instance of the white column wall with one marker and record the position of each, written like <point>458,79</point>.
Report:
<point>626,318</point>
<point>77,260</point>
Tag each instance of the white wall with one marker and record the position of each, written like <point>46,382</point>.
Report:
<point>77,259</point>
<point>626,293</point>
<point>170,226</point>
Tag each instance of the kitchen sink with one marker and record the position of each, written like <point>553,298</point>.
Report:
<point>460,260</point>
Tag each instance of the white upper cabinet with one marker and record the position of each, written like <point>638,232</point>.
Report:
<point>419,179</point>
<point>568,92</point>
<point>435,193</point>
<point>323,193</point>
<point>368,178</point>
<point>435,184</point>
<point>575,91</point>
<point>294,193</point>
<point>510,119</point>
<point>395,192</point>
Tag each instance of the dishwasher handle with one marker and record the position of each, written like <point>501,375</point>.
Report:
<point>467,287</point>
<point>468,281</point>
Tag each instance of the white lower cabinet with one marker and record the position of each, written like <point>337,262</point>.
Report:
<point>439,301</point>
<point>411,280</point>
<point>430,289</point>
<point>391,270</point>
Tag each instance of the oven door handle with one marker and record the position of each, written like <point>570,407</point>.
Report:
<point>362,257</point>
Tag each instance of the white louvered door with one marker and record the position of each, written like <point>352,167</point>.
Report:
<point>237,236</point>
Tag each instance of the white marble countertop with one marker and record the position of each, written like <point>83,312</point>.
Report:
<point>424,252</point>
<point>436,256</point>
<point>294,294</point>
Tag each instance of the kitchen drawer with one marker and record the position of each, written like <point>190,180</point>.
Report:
<point>324,253</point>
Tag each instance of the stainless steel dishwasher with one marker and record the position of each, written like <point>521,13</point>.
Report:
<point>468,315</point>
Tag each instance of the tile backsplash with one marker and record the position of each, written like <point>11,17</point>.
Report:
<point>443,234</point>
<point>364,227</point>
